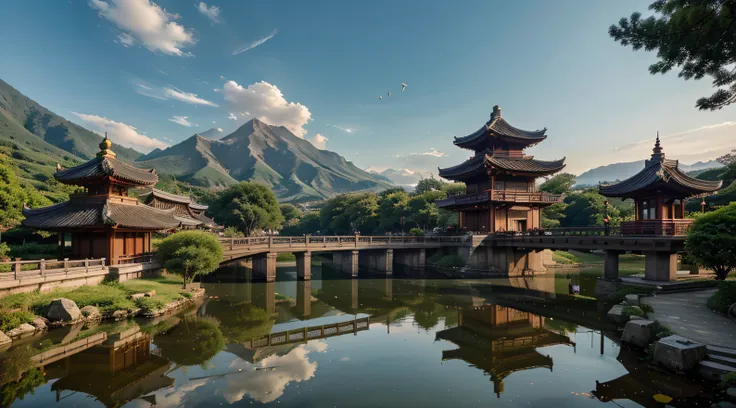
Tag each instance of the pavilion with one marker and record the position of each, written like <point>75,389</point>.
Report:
<point>659,191</point>
<point>104,222</point>
<point>187,211</point>
<point>501,193</point>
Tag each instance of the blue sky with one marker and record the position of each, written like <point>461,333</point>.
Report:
<point>154,73</point>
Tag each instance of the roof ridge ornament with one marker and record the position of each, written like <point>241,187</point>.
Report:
<point>496,112</point>
<point>657,152</point>
<point>105,146</point>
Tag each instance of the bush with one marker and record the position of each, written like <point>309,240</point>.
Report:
<point>190,253</point>
<point>147,304</point>
<point>632,311</point>
<point>9,321</point>
<point>620,294</point>
<point>417,232</point>
<point>186,295</point>
<point>4,251</point>
<point>712,240</point>
<point>723,298</point>
<point>646,308</point>
<point>728,380</point>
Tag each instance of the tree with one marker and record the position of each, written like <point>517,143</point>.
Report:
<point>453,188</point>
<point>711,240</point>
<point>308,224</point>
<point>559,184</point>
<point>193,341</point>
<point>391,209</point>
<point>350,213</point>
<point>423,212</point>
<point>291,214</point>
<point>699,37</point>
<point>190,253</point>
<point>587,209</point>
<point>249,207</point>
<point>427,184</point>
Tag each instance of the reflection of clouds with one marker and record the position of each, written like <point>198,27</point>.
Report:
<point>268,385</point>
<point>177,397</point>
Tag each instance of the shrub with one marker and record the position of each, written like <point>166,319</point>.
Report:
<point>148,304</point>
<point>724,297</point>
<point>712,240</point>
<point>186,295</point>
<point>646,308</point>
<point>417,232</point>
<point>632,311</point>
<point>4,251</point>
<point>620,295</point>
<point>728,380</point>
<point>190,253</point>
<point>9,321</point>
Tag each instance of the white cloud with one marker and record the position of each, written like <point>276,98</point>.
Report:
<point>186,97</point>
<point>219,130</point>
<point>267,103</point>
<point>432,152</point>
<point>319,141</point>
<point>181,120</point>
<point>217,90</point>
<point>121,133</point>
<point>212,12</point>
<point>213,122</point>
<point>145,22</point>
<point>232,116</point>
<point>256,43</point>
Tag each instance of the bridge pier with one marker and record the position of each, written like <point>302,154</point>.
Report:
<point>264,266</point>
<point>381,261</point>
<point>346,262</point>
<point>389,288</point>
<point>411,258</point>
<point>354,294</point>
<point>610,264</point>
<point>303,265</point>
<point>304,298</point>
<point>660,266</point>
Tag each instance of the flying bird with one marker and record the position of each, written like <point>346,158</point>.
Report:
<point>380,97</point>
<point>389,93</point>
<point>403,86</point>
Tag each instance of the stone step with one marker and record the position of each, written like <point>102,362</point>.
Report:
<point>714,371</point>
<point>723,360</point>
<point>720,351</point>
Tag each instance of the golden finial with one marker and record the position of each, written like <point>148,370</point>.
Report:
<point>105,146</point>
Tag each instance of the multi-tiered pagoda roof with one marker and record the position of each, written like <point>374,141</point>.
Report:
<point>499,130</point>
<point>185,209</point>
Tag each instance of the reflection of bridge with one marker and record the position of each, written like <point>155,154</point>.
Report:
<point>310,333</point>
<point>378,251</point>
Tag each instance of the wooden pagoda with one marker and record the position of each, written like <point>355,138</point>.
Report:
<point>187,211</point>
<point>501,193</point>
<point>103,220</point>
<point>659,191</point>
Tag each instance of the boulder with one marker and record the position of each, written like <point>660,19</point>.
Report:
<point>64,310</point>
<point>632,300</point>
<point>151,293</point>
<point>91,312</point>
<point>39,323</point>
<point>678,353</point>
<point>616,315</point>
<point>4,339</point>
<point>24,328</point>
<point>639,332</point>
<point>120,314</point>
<point>632,317</point>
<point>137,296</point>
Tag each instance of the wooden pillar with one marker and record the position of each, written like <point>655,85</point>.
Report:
<point>682,208</point>
<point>303,265</point>
<point>460,223</point>
<point>110,236</point>
<point>672,210</point>
<point>637,210</point>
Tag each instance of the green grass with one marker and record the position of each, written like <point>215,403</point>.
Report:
<point>9,321</point>
<point>285,257</point>
<point>107,297</point>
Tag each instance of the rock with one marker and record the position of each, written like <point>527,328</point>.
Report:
<point>723,404</point>
<point>632,300</point>
<point>39,323</point>
<point>678,353</point>
<point>151,293</point>
<point>732,310</point>
<point>639,333</point>
<point>119,314</point>
<point>137,296</point>
<point>24,328</point>
<point>632,317</point>
<point>731,394</point>
<point>64,310</point>
<point>4,339</point>
<point>616,315</point>
<point>91,312</point>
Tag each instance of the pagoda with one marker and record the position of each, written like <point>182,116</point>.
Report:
<point>187,211</point>
<point>659,191</point>
<point>500,179</point>
<point>104,222</point>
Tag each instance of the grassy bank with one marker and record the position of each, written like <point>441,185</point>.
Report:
<point>592,262</point>
<point>108,297</point>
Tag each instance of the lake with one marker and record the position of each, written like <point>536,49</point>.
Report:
<point>378,342</point>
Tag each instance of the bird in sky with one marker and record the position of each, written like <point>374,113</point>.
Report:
<point>403,86</point>
<point>389,93</point>
<point>380,97</point>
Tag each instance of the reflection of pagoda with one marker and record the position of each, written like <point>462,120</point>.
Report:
<point>500,341</point>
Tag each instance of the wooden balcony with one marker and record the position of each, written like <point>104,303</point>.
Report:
<point>656,227</point>
<point>502,196</point>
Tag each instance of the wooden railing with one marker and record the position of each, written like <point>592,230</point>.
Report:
<point>20,269</point>
<point>308,333</point>
<point>506,196</point>
<point>138,258</point>
<point>356,241</point>
<point>656,227</point>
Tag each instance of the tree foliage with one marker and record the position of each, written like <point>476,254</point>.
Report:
<point>291,214</point>
<point>12,197</point>
<point>559,184</point>
<point>698,37</point>
<point>712,240</point>
<point>193,341</point>
<point>428,184</point>
<point>250,207</point>
<point>190,253</point>
<point>588,208</point>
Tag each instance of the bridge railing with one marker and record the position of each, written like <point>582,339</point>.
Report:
<point>565,231</point>
<point>20,269</point>
<point>139,258</point>
<point>337,241</point>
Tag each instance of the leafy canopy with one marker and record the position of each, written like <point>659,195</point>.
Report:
<point>559,184</point>
<point>699,37</point>
<point>291,214</point>
<point>712,240</point>
<point>190,253</point>
<point>249,207</point>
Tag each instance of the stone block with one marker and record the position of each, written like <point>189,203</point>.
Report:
<point>91,312</point>
<point>64,310</point>
<point>39,323</point>
<point>632,300</point>
<point>639,333</point>
<point>636,318</point>
<point>4,339</point>
<point>24,328</point>
<point>678,353</point>
<point>616,315</point>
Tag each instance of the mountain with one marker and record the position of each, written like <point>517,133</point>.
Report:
<point>214,133</point>
<point>293,168</point>
<point>401,177</point>
<point>621,171</point>
<point>52,128</point>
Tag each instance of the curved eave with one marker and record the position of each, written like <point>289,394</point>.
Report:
<point>199,207</point>
<point>468,169</point>
<point>81,215</point>
<point>104,167</point>
<point>660,175</point>
<point>530,167</point>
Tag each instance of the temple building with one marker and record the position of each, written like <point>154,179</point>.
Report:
<point>189,213</point>
<point>659,191</point>
<point>104,222</point>
<point>501,193</point>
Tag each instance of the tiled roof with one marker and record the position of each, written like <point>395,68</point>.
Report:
<point>174,198</point>
<point>106,166</point>
<point>187,221</point>
<point>663,173</point>
<point>498,127</point>
<point>476,166</point>
<point>81,213</point>
<point>472,166</point>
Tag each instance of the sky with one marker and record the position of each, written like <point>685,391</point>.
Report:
<point>154,73</point>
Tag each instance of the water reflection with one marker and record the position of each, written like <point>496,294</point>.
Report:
<point>390,342</point>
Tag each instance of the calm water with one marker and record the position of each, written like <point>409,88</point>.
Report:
<point>371,343</point>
